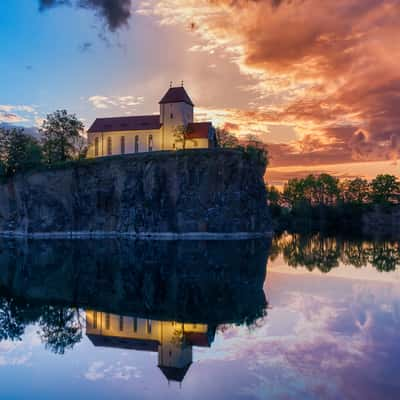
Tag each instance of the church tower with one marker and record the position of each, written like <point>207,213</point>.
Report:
<point>176,109</point>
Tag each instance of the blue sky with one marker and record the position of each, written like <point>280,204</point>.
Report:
<point>316,81</point>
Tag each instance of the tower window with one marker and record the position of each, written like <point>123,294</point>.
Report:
<point>121,323</point>
<point>95,319</point>
<point>151,143</point>
<point>136,144</point>
<point>122,144</point>
<point>171,115</point>
<point>107,321</point>
<point>96,147</point>
<point>109,146</point>
<point>135,324</point>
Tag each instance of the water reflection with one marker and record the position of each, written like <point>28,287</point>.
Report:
<point>117,310</point>
<point>173,341</point>
<point>164,296</point>
<point>324,253</point>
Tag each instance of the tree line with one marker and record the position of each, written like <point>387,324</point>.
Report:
<point>60,140</point>
<point>319,201</point>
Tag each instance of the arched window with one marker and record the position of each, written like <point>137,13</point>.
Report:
<point>122,144</point>
<point>136,144</point>
<point>148,326</point>
<point>150,142</point>
<point>96,146</point>
<point>109,146</point>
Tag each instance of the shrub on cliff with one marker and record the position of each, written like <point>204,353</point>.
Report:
<point>61,137</point>
<point>18,151</point>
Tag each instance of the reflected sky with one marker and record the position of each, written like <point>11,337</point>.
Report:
<point>328,334</point>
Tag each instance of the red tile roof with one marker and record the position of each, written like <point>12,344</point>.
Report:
<point>176,95</point>
<point>142,122</point>
<point>199,130</point>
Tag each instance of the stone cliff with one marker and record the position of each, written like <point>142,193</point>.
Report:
<point>200,192</point>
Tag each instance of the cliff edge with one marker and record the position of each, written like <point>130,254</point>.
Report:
<point>186,193</point>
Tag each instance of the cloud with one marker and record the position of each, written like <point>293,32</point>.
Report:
<point>11,114</point>
<point>123,102</point>
<point>99,371</point>
<point>329,70</point>
<point>115,13</point>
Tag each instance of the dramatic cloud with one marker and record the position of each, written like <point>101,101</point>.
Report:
<point>116,13</point>
<point>327,69</point>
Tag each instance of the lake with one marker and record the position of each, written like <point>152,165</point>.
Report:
<point>305,317</point>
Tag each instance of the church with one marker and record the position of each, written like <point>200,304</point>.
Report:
<point>174,128</point>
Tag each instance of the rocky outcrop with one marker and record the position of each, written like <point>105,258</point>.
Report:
<point>199,192</point>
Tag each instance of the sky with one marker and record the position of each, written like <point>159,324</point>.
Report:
<point>319,82</point>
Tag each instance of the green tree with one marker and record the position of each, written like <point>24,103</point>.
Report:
<point>355,191</point>
<point>60,328</point>
<point>18,151</point>
<point>61,134</point>
<point>385,189</point>
<point>225,139</point>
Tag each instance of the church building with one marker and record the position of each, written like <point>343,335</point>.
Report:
<point>174,128</point>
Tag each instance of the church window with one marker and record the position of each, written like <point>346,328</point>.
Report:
<point>136,144</point>
<point>95,319</point>
<point>172,116</point>
<point>122,144</point>
<point>96,147</point>
<point>148,326</point>
<point>121,323</point>
<point>151,143</point>
<point>107,321</point>
<point>135,324</point>
<point>109,146</point>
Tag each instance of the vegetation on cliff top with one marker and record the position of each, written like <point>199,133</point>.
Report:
<point>61,145</point>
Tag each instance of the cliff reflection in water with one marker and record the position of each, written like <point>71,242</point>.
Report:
<point>154,296</point>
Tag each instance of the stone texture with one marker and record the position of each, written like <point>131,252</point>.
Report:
<point>200,191</point>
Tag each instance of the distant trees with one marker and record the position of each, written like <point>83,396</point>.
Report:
<point>61,137</point>
<point>322,202</point>
<point>326,190</point>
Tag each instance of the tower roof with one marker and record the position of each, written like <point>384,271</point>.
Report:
<point>176,95</point>
<point>174,373</point>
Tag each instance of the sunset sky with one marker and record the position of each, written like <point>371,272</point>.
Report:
<point>319,81</point>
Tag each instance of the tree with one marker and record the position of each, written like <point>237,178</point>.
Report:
<point>225,139</point>
<point>355,191</point>
<point>182,135</point>
<point>385,189</point>
<point>61,134</point>
<point>18,151</point>
<point>60,328</point>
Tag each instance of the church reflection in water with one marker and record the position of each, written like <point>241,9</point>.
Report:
<point>173,341</point>
<point>165,297</point>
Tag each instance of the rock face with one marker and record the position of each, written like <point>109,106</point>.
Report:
<point>199,192</point>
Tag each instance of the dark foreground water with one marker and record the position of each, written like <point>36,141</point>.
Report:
<point>301,318</point>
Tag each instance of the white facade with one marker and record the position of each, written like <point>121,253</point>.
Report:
<point>127,135</point>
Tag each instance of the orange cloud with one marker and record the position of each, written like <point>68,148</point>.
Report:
<point>327,69</point>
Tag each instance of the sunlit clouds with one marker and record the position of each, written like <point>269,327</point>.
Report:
<point>329,70</point>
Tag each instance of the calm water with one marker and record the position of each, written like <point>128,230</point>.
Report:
<point>303,317</point>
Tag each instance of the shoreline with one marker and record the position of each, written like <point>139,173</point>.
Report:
<point>138,236</point>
